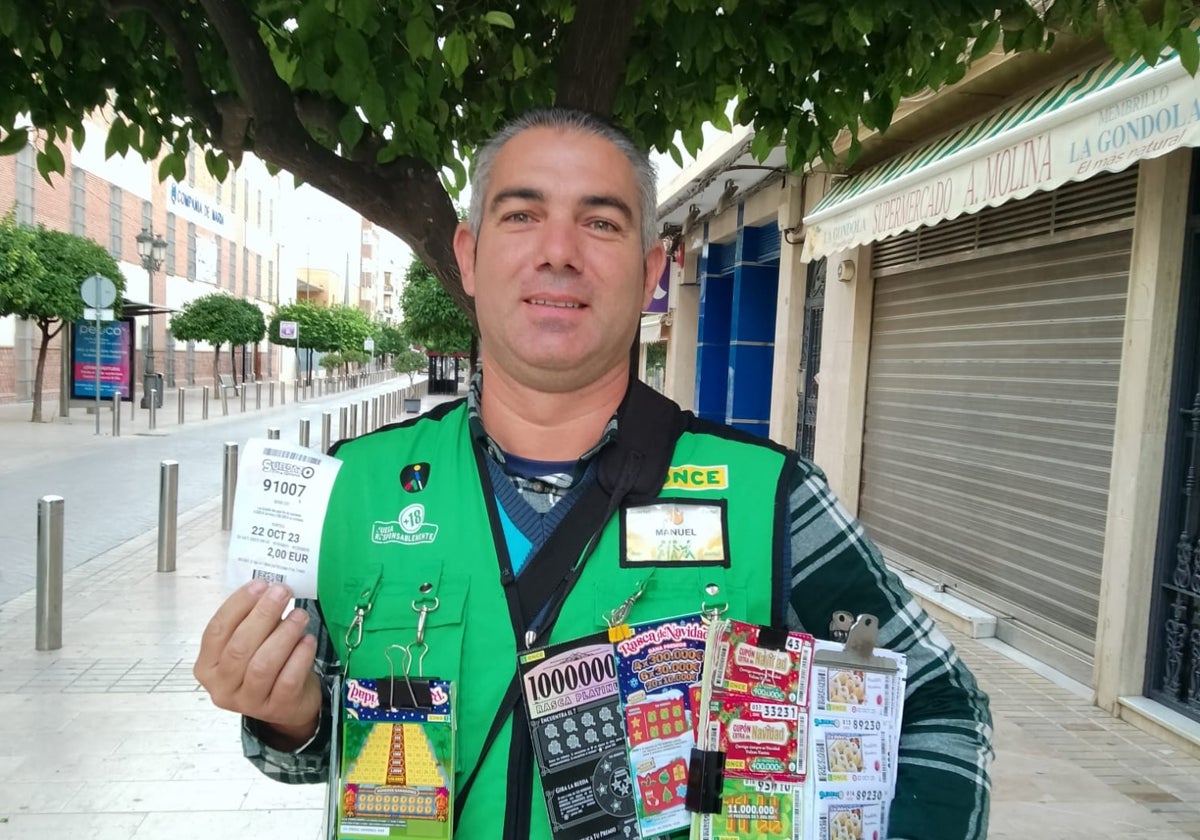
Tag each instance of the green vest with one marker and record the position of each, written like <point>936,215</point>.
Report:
<point>447,535</point>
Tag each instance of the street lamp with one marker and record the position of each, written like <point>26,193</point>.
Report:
<point>152,248</point>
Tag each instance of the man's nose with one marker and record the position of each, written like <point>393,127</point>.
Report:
<point>560,245</point>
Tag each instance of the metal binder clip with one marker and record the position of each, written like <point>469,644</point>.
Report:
<point>392,676</point>
<point>839,625</point>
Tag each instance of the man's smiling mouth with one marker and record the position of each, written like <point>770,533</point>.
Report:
<point>561,304</point>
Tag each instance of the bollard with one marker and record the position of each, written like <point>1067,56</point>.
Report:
<point>296,391</point>
<point>225,402</point>
<point>204,403</point>
<point>271,394</point>
<point>153,405</point>
<point>304,433</point>
<point>282,394</point>
<point>48,614</point>
<point>353,429</point>
<point>228,484</point>
<point>181,393</point>
<point>376,415</point>
<point>326,423</point>
<point>168,514</point>
<point>273,433</point>
<point>342,420</point>
<point>257,395</point>
<point>366,416</point>
<point>242,396</point>
<point>116,411</point>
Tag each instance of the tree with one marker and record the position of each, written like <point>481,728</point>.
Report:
<point>41,272</point>
<point>219,319</point>
<point>390,340</point>
<point>431,317</point>
<point>379,104</point>
<point>409,361</point>
<point>338,328</point>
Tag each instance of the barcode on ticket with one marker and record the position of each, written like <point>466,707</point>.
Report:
<point>295,456</point>
<point>269,577</point>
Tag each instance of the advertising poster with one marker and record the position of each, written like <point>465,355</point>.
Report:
<point>116,359</point>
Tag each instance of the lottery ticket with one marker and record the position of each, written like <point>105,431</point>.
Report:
<point>746,665</point>
<point>574,717</point>
<point>397,778</point>
<point>659,668</point>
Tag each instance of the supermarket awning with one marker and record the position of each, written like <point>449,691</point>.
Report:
<point>1103,120</point>
<point>133,308</point>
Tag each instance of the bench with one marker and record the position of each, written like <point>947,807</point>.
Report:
<point>225,382</point>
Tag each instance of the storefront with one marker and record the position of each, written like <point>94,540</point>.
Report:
<point>1015,292</point>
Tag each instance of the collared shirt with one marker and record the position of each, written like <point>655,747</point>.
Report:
<point>943,784</point>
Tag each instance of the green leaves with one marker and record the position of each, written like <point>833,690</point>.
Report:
<point>219,318</point>
<point>455,53</point>
<point>501,19</point>
<point>14,141</point>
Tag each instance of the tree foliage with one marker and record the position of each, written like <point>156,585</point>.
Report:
<point>431,317</point>
<point>333,329</point>
<point>380,103</point>
<point>41,272</point>
<point>218,319</point>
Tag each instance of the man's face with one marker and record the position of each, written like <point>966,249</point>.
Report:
<point>558,272</point>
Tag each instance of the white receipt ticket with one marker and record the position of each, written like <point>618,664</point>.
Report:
<point>278,514</point>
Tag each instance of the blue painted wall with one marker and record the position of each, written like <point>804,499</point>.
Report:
<point>736,341</point>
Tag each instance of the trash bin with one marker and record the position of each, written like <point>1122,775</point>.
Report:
<point>152,383</point>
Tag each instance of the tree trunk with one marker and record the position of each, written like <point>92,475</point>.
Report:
<point>40,372</point>
<point>216,364</point>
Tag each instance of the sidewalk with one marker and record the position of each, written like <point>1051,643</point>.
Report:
<point>110,738</point>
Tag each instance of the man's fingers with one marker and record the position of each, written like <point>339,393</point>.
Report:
<point>224,622</point>
<point>293,698</point>
<point>263,669</point>
<point>249,635</point>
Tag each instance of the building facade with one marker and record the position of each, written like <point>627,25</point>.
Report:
<point>985,333</point>
<point>218,236</point>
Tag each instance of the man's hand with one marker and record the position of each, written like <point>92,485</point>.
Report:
<point>260,666</point>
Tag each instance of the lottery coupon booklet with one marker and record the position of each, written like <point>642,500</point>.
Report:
<point>754,712</point>
<point>854,739</point>
<point>574,714</point>
<point>659,667</point>
<point>397,775</point>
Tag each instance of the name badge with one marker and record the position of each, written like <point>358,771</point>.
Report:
<point>675,533</point>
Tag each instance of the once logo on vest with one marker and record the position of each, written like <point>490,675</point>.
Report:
<point>692,477</point>
<point>410,528</point>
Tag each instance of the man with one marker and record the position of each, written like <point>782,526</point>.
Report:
<point>521,532</point>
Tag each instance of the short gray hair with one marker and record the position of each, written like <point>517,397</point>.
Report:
<point>568,119</point>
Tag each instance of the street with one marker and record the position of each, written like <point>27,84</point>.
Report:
<point>110,485</point>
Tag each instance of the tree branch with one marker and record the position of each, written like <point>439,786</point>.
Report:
<point>592,63</point>
<point>193,83</point>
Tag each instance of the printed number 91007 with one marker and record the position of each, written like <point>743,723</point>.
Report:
<point>284,488</point>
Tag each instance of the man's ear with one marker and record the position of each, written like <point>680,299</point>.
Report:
<point>464,253</point>
<point>655,260</point>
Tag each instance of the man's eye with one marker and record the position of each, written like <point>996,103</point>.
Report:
<point>604,225</point>
<point>517,217</point>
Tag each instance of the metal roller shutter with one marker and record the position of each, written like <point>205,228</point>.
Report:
<point>991,398</point>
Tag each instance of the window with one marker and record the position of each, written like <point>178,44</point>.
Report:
<point>78,201</point>
<point>245,270</point>
<point>233,194</point>
<point>218,191</point>
<point>258,276</point>
<point>170,261</point>
<point>220,268</point>
<point>270,280</point>
<point>271,216</point>
<point>25,176</point>
<point>232,266</point>
<point>191,167</point>
<point>114,221</point>
<point>191,251</point>
<point>147,215</point>
<point>258,210</point>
